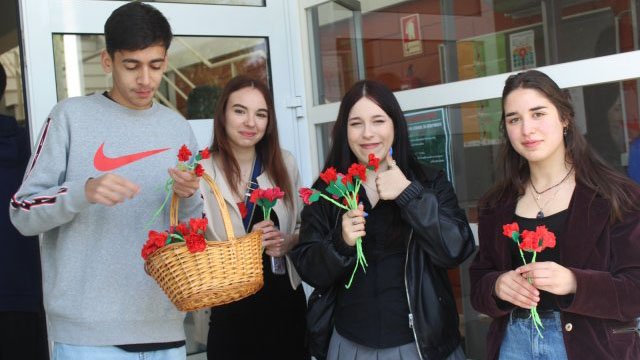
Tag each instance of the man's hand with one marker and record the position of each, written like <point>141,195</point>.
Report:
<point>109,189</point>
<point>185,182</point>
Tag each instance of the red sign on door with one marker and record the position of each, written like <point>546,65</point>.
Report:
<point>411,35</point>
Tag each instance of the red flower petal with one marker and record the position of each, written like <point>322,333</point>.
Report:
<point>184,154</point>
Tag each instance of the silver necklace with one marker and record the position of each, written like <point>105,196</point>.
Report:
<point>540,214</point>
<point>538,193</point>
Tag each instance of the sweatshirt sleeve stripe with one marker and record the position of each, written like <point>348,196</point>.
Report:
<point>41,200</point>
<point>43,137</point>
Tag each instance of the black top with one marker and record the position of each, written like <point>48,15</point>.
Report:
<point>374,312</point>
<point>555,224</point>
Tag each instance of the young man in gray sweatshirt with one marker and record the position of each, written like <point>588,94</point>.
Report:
<point>93,181</point>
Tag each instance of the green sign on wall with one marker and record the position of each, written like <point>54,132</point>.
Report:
<point>430,137</point>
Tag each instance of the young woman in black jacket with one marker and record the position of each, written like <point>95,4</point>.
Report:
<point>412,230</point>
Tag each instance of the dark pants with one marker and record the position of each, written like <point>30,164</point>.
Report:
<point>23,335</point>
<point>267,325</point>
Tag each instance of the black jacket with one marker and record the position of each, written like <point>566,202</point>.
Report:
<point>441,239</point>
<point>20,286</point>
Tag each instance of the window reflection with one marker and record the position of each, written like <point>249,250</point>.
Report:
<point>212,2</point>
<point>198,69</point>
<point>412,44</point>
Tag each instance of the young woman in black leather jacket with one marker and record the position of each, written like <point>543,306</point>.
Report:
<point>412,229</point>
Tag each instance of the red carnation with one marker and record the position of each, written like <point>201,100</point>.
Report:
<point>181,229</point>
<point>273,194</point>
<point>197,225</point>
<point>155,241</point>
<point>204,153</point>
<point>184,154</point>
<point>374,162</point>
<point>196,242</point>
<point>329,175</point>
<point>508,229</point>
<point>347,179</point>
<point>358,170</point>
<point>305,194</point>
<point>199,170</point>
<point>537,240</point>
<point>548,238</point>
<point>256,195</point>
<point>148,249</point>
<point>158,238</point>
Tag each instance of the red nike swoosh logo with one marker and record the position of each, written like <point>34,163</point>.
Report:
<point>104,163</point>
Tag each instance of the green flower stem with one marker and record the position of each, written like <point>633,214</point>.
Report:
<point>174,236</point>
<point>168,186</point>
<point>360,259</point>
<point>535,317</point>
<point>522,255</point>
<point>334,202</point>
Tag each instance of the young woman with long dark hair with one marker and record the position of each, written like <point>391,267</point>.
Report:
<point>586,288</point>
<point>412,230</point>
<point>245,155</point>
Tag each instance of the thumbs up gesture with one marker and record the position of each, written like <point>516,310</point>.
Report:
<point>391,182</point>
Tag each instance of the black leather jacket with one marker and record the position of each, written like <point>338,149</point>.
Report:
<point>441,239</point>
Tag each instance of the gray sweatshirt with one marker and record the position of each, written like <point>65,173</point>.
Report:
<point>96,291</point>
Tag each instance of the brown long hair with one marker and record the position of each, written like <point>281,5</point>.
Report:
<point>268,148</point>
<point>590,169</point>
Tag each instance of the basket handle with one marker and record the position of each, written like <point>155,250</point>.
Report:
<point>224,211</point>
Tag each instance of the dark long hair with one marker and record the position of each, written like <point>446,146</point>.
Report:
<point>590,169</point>
<point>268,148</point>
<point>340,155</point>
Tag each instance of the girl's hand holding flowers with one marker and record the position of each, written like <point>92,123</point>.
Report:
<point>392,182</point>
<point>276,243</point>
<point>513,288</point>
<point>353,225</point>
<point>549,276</point>
<point>272,239</point>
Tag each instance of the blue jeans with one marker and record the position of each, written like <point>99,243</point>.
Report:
<point>75,352</point>
<point>522,342</point>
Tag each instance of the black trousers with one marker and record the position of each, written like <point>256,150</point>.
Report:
<point>267,325</point>
<point>23,335</point>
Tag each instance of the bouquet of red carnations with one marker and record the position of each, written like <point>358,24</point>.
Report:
<point>532,242</point>
<point>192,234</point>
<point>266,199</point>
<point>345,187</point>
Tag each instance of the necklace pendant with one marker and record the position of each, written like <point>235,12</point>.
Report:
<point>537,196</point>
<point>540,215</point>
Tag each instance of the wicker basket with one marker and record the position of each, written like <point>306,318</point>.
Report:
<point>225,272</point>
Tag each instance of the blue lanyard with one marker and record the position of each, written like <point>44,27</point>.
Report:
<point>257,167</point>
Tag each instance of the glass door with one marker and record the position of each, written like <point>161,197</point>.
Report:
<point>214,41</point>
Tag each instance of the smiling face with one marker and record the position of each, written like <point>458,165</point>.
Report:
<point>534,126</point>
<point>136,75</point>
<point>369,130</point>
<point>246,117</point>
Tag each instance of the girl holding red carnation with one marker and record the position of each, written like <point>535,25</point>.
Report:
<point>585,281</point>
<point>246,155</point>
<point>412,231</point>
